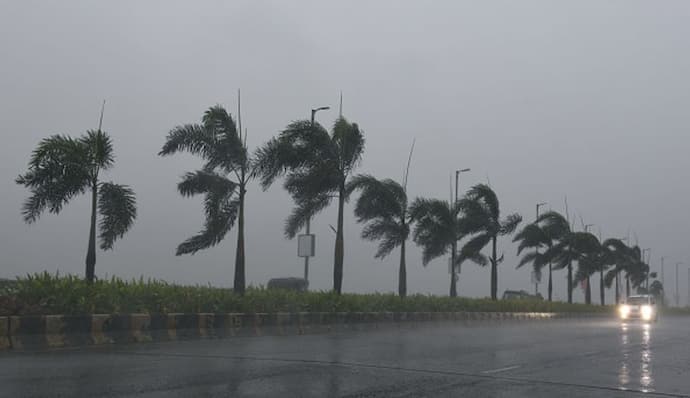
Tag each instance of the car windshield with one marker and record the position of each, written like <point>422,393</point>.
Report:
<point>637,300</point>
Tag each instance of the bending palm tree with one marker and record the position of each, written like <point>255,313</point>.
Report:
<point>383,207</point>
<point>547,230</point>
<point>317,165</point>
<point>219,143</point>
<point>532,236</point>
<point>482,221</point>
<point>62,168</point>
<point>438,227</point>
<point>617,255</point>
<point>584,248</point>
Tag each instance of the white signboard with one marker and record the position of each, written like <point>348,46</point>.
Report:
<point>306,245</point>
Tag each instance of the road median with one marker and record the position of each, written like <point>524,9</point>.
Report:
<point>31,332</point>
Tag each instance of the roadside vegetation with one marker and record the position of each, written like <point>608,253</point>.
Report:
<point>46,293</point>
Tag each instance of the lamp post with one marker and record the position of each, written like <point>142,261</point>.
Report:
<point>306,258</point>
<point>536,273</point>
<point>649,265</point>
<point>677,297</point>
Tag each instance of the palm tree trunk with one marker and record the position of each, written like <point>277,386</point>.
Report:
<point>550,283</point>
<point>402,273</point>
<point>602,293</point>
<point>588,292</point>
<point>627,286</point>
<point>494,270</point>
<point>91,251</point>
<point>453,285</point>
<point>239,285</point>
<point>339,249</point>
<point>570,282</point>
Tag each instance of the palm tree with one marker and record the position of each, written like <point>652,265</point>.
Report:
<point>219,143</point>
<point>617,255</point>
<point>636,271</point>
<point>532,236</point>
<point>656,289</point>
<point>482,222</point>
<point>588,255</point>
<point>382,205</point>
<point>61,168</point>
<point>317,166</point>
<point>546,231</point>
<point>438,227</point>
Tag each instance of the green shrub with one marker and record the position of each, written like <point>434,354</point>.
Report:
<point>46,293</point>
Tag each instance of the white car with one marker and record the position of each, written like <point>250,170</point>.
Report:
<point>639,307</point>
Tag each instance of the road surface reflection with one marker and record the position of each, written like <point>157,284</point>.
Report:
<point>634,337</point>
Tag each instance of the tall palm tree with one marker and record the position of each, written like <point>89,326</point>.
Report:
<point>383,206</point>
<point>317,166</point>
<point>61,168</point>
<point>617,256</point>
<point>636,271</point>
<point>437,228</point>
<point>546,231</point>
<point>483,223</point>
<point>218,141</point>
<point>533,236</point>
<point>588,255</point>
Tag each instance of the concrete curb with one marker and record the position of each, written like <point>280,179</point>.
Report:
<point>54,331</point>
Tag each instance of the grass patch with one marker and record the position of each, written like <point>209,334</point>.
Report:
<point>46,293</point>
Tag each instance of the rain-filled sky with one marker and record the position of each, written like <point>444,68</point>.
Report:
<point>541,99</point>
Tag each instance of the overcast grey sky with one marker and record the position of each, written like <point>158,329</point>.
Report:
<point>542,98</point>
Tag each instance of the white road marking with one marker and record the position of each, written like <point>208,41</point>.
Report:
<point>499,370</point>
<point>590,353</point>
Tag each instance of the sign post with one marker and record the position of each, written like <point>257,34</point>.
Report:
<point>306,247</point>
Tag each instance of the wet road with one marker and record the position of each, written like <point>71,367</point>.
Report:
<point>533,359</point>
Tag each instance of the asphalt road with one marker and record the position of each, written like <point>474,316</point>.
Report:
<point>530,359</point>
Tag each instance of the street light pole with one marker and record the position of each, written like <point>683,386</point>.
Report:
<point>649,265</point>
<point>663,291</point>
<point>536,281</point>
<point>306,258</point>
<point>677,297</point>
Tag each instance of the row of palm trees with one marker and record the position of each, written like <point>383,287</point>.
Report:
<point>317,166</point>
<point>561,247</point>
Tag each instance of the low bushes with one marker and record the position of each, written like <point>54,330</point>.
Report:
<point>55,294</point>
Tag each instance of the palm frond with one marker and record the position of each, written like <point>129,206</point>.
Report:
<point>435,228</point>
<point>299,146</point>
<point>192,138</point>
<point>100,148</point>
<point>350,142</point>
<point>510,223</point>
<point>118,209</point>
<point>532,236</point>
<point>378,199</point>
<point>484,194</point>
<point>221,213</point>
<point>303,211</point>
<point>59,169</point>
<point>203,182</point>
<point>475,245</point>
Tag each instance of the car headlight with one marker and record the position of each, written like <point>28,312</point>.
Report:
<point>646,312</point>
<point>624,310</point>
